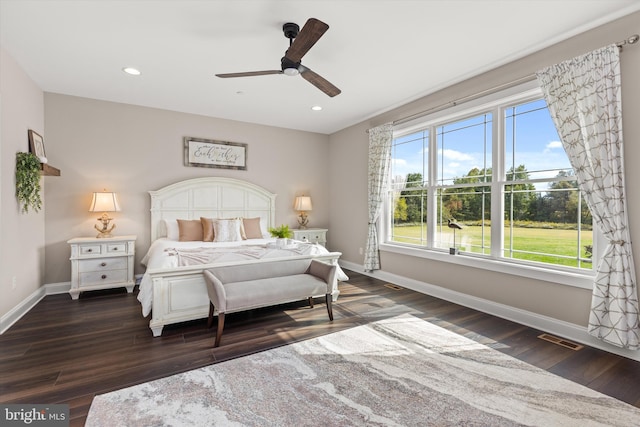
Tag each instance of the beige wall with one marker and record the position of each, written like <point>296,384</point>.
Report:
<point>348,160</point>
<point>131,150</point>
<point>22,235</point>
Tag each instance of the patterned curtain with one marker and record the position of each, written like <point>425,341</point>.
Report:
<point>379,161</point>
<point>584,98</point>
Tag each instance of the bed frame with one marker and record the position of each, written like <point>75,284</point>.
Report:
<point>180,294</point>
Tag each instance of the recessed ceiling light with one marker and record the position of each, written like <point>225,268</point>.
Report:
<point>316,108</point>
<point>132,71</point>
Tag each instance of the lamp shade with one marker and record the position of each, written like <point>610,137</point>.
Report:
<point>104,202</point>
<point>302,203</point>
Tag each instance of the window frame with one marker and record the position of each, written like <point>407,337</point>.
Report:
<point>496,104</point>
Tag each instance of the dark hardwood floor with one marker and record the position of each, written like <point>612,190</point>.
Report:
<point>66,351</point>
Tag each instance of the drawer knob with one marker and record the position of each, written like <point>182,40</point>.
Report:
<point>89,250</point>
<point>104,276</point>
<point>115,249</point>
<point>104,264</point>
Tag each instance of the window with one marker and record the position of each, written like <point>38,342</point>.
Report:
<point>497,168</point>
<point>546,219</point>
<point>409,188</point>
<point>463,191</point>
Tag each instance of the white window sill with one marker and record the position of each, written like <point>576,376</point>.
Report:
<point>577,279</point>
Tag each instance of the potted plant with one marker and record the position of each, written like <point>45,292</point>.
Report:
<point>28,181</point>
<point>281,234</point>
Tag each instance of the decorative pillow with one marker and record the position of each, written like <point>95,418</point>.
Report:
<point>252,228</point>
<point>172,232</point>
<point>190,230</point>
<point>207,229</point>
<point>227,230</point>
<point>241,226</point>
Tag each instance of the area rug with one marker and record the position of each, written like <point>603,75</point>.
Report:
<point>402,371</point>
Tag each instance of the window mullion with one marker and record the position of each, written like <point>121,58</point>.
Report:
<point>431,189</point>
<point>497,184</point>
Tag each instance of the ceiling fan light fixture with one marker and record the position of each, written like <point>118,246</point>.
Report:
<point>291,71</point>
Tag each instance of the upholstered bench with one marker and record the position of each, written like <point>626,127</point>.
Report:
<point>244,287</point>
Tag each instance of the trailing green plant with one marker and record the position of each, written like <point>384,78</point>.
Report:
<point>28,181</point>
<point>282,232</point>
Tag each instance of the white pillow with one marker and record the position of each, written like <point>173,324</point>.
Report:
<point>172,231</point>
<point>227,230</point>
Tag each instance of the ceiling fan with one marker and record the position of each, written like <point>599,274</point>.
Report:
<point>300,41</point>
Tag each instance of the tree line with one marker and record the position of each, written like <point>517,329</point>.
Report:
<point>559,203</point>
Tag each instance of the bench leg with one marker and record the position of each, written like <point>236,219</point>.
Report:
<point>328,297</point>
<point>311,302</point>
<point>210,320</point>
<point>220,328</point>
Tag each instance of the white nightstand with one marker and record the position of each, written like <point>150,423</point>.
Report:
<point>101,263</point>
<point>312,235</point>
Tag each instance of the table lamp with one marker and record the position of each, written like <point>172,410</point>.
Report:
<point>104,202</point>
<point>303,204</point>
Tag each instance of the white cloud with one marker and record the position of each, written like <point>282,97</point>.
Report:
<point>553,145</point>
<point>397,163</point>
<point>455,155</point>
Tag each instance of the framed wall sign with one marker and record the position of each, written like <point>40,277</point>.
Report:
<point>36,144</point>
<point>208,153</point>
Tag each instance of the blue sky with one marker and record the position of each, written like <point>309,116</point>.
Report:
<point>537,145</point>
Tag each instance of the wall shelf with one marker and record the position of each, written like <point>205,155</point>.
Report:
<point>49,170</point>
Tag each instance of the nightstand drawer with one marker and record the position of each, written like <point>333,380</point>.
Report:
<point>116,248</point>
<point>104,264</point>
<point>100,277</point>
<point>315,237</point>
<point>90,249</point>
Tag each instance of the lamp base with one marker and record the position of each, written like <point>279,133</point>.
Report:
<point>102,235</point>
<point>105,231</point>
<point>303,220</point>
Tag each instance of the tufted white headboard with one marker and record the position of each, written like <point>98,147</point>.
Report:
<point>211,197</point>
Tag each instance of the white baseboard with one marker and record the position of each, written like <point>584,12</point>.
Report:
<point>547,324</point>
<point>23,308</point>
<point>28,303</point>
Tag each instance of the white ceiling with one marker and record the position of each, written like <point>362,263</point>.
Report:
<point>380,53</point>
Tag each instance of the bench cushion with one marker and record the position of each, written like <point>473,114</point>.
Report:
<point>235,273</point>
<point>250,294</point>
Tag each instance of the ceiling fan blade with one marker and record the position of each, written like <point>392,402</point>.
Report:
<point>308,36</point>
<point>249,74</point>
<point>319,81</point>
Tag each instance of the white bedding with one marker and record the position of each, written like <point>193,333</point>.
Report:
<point>165,253</point>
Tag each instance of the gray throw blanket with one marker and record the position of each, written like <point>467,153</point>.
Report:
<point>194,256</point>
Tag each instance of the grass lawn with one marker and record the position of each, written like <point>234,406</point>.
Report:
<point>552,246</point>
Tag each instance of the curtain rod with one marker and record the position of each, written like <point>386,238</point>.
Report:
<point>628,41</point>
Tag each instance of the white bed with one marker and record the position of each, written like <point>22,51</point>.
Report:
<point>172,289</point>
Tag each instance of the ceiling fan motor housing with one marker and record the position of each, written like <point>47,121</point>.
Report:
<point>289,67</point>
